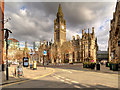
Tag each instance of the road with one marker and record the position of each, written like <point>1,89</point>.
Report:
<point>70,76</point>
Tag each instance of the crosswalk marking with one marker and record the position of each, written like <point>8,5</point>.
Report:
<point>85,85</point>
<point>62,80</point>
<point>67,79</point>
<point>68,82</point>
<point>75,82</point>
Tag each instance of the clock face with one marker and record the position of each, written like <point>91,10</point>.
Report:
<point>62,27</point>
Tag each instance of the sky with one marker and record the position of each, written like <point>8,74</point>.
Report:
<point>34,21</point>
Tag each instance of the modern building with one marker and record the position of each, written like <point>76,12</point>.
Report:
<point>63,51</point>
<point>114,35</point>
<point>15,52</point>
<point>13,47</point>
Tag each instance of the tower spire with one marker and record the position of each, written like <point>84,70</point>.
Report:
<point>93,31</point>
<point>59,13</point>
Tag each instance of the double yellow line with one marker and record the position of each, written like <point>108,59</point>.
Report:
<point>53,70</point>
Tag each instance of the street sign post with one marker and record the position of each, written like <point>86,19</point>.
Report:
<point>45,52</point>
<point>44,58</point>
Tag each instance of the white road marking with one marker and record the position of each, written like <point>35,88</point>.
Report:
<point>68,79</point>
<point>77,86</point>
<point>74,82</point>
<point>56,77</point>
<point>62,80</point>
<point>67,71</point>
<point>62,77</point>
<point>68,82</point>
<point>85,85</point>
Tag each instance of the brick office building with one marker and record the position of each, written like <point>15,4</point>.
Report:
<point>1,32</point>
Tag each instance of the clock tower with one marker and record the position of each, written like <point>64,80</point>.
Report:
<point>59,27</point>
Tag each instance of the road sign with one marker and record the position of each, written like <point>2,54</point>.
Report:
<point>44,52</point>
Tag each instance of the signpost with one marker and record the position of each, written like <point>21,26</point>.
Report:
<point>44,58</point>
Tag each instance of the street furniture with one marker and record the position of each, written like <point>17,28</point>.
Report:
<point>34,65</point>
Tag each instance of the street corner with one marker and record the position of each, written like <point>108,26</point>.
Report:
<point>23,79</point>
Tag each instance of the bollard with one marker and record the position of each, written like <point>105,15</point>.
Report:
<point>34,65</point>
<point>15,72</point>
<point>97,66</point>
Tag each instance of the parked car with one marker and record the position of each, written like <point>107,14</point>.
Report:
<point>15,63</point>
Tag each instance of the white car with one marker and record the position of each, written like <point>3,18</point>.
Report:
<point>15,63</point>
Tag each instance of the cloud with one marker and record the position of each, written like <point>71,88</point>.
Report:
<point>34,21</point>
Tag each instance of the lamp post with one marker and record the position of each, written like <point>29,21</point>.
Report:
<point>7,31</point>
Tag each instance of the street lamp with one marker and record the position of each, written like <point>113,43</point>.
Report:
<point>7,31</point>
<point>6,20</point>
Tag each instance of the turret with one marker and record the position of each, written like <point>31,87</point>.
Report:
<point>83,31</point>
<point>47,43</point>
<point>93,32</point>
<point>78,37</point>
<point>26,44</point>
<point>40,43</point>
<point>44,43</point>
<point>73,38</point>
<point>33,46</point>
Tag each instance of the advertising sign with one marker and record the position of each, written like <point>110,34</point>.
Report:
<point>118,43</point>
<point>44,52</point>
<point>25,61</point>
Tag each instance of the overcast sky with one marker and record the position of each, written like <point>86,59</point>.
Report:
<point>34,21</point>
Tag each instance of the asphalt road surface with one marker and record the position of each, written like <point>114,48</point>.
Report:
<point>71,76</point>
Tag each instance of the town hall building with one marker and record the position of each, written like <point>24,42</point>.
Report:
<point>62,51</point>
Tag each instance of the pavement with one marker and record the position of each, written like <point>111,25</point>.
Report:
<point>28,74</point>
<point>66,76</point>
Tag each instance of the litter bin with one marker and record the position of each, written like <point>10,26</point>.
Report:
<point>111,66</point>
<point>115,67</point>
<point>98,66</point>
<point>19,71</point>
<point>107,64</point>
<point>34,65</point>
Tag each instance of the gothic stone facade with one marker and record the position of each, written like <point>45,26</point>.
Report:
<point>114,49</point>
<point>62,51</point>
